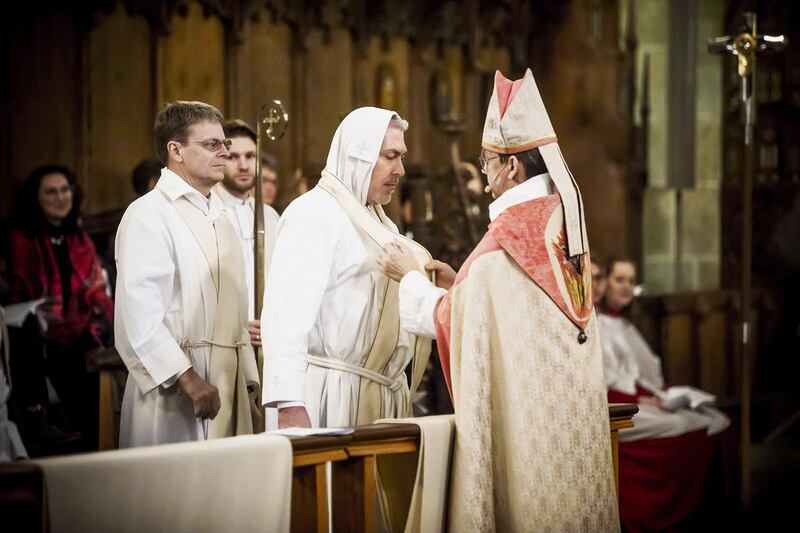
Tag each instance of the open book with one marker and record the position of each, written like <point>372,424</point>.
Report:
<point>15,314</point>
<point>307,432</point>
<point>684,396</point>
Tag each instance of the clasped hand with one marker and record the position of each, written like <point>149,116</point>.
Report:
<point>396,260</point>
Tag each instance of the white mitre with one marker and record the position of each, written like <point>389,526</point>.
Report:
<point>516,122</point>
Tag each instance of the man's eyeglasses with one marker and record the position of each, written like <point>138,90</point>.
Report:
<point>214,145</point>
<point>483,161</point>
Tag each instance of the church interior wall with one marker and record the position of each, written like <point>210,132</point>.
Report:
<point>580,90</point>
<point>85,86</point>
<point>41,97</point>
<point>120,102</point>
<point>700,204</point>
<point>262,64</point>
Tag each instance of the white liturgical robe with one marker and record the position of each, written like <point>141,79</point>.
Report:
<point>240,213</point>
<point>629,362</point>
<point>166,300</point>
<point>325,292</point>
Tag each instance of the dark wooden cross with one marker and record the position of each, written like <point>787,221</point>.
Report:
<point>745,47</point>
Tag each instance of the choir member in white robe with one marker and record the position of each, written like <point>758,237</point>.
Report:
<point>235,193</point>
<point>334,351</point>
<point>671,462</point>
<point>633,372</point>
<point>180,316</point>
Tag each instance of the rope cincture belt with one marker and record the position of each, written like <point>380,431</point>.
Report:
<point>206,344</point>
<point>335,364</point>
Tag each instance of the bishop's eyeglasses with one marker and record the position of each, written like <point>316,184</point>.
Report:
<point>483,161</point>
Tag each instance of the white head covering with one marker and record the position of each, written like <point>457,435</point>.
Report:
<point>356,146</point>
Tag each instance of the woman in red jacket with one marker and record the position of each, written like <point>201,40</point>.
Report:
<point>52,258</point>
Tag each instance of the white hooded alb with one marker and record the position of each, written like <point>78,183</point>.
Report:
<point>322,296</point>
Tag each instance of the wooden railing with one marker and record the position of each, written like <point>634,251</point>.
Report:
<point>697,337</point>
<point>353,492</point>
<point>352,460</point>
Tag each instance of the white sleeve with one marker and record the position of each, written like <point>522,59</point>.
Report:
<point>418,299</point>
<point>271,222</point>
<point>145,281</point>
<point>302,261</point>
<point>284,405</point>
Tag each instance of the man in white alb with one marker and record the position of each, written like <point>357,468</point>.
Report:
<point>334,351</point>
<point>181,308</point>
<point>234,191</point>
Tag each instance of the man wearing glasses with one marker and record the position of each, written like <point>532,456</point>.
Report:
<point>181,309</point>
<point>236,193</point>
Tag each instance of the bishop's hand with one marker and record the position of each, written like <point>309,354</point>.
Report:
<point>396,260</point>
<point>444,274</point>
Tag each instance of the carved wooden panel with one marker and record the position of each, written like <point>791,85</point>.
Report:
<point>191,60</point>
<point>579,80</point>
<point>41,97</point>
<point>262,71</point>
<point>120,113</point>
<point>381,78</point>
<point>425,144</point>
<point>328,89</point>
<point>381,75</point>
<point>714,354</point>
<point>679,364</point>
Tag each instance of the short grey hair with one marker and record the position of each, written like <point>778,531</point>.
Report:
<point>398,122</point>
<point>172,123</point>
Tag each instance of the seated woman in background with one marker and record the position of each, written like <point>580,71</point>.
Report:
<point>51,257</point>
<point>665,460</point>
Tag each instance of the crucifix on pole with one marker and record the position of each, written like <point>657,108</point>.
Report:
<point>745,46</point>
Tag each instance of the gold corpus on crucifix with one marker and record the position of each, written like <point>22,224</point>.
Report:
<point>746,46</point>
<point>272,121</point>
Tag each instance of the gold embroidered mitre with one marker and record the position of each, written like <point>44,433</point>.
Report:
<point>517,121</point>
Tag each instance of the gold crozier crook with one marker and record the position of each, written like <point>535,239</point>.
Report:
<point>273,119</point>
